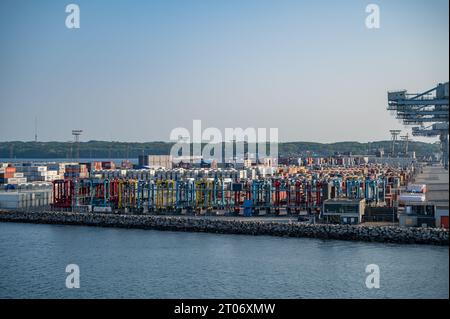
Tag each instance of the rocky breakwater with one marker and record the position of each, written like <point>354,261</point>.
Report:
<point>387,234</point>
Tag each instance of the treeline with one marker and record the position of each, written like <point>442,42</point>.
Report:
<point>421,148</point>
<point>102,149</point>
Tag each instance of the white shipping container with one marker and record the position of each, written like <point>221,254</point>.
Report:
<point>412,198</point>
<point>102,209</point>
<point>11,181</point>
<point>416,188</point>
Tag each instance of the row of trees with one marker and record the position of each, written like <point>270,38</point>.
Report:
<point>102,149</point>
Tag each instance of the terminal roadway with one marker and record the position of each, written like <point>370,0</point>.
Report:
<point>436,179</point>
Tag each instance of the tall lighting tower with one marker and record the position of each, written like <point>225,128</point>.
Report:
<point>427,110</point>
<point>35,130</point>
<point>405,138</point>
<point>394,134</point>
<point>76,134</point>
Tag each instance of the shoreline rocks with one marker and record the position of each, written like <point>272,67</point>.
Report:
<point>383,234</point>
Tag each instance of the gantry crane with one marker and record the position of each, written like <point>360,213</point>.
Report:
<point>428,110</point>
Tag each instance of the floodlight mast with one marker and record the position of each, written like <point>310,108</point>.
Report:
<point>76,134</point>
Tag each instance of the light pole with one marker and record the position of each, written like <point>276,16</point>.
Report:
<point>393,213</point>
<point>393,207</point>
<point>76,134</point>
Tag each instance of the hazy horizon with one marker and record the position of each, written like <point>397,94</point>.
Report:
<point>284,142</point>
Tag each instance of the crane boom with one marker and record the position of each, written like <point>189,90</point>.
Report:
<point>430,106</point>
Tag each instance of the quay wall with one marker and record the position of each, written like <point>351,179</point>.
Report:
<point>386,234</point>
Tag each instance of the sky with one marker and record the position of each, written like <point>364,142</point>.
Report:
<point>135,70</point>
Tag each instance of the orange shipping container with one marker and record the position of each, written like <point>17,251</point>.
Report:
<point>10,169</point>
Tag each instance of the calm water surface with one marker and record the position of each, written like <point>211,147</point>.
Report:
<point>126,263</point>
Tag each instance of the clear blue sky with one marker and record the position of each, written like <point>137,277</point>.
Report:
<point>137,69</point>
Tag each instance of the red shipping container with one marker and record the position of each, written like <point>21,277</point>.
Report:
<point>444,222</point>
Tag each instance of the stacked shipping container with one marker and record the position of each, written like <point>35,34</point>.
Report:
<point>37,173</point>
<point>8,175</point>
<point>76,171</point>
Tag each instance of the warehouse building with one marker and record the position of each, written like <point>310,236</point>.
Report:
<point>419,214</point>
<point>343,211</point>
<point>27,196</point>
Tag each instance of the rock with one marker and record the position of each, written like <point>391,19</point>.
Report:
<point>342,232</point>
